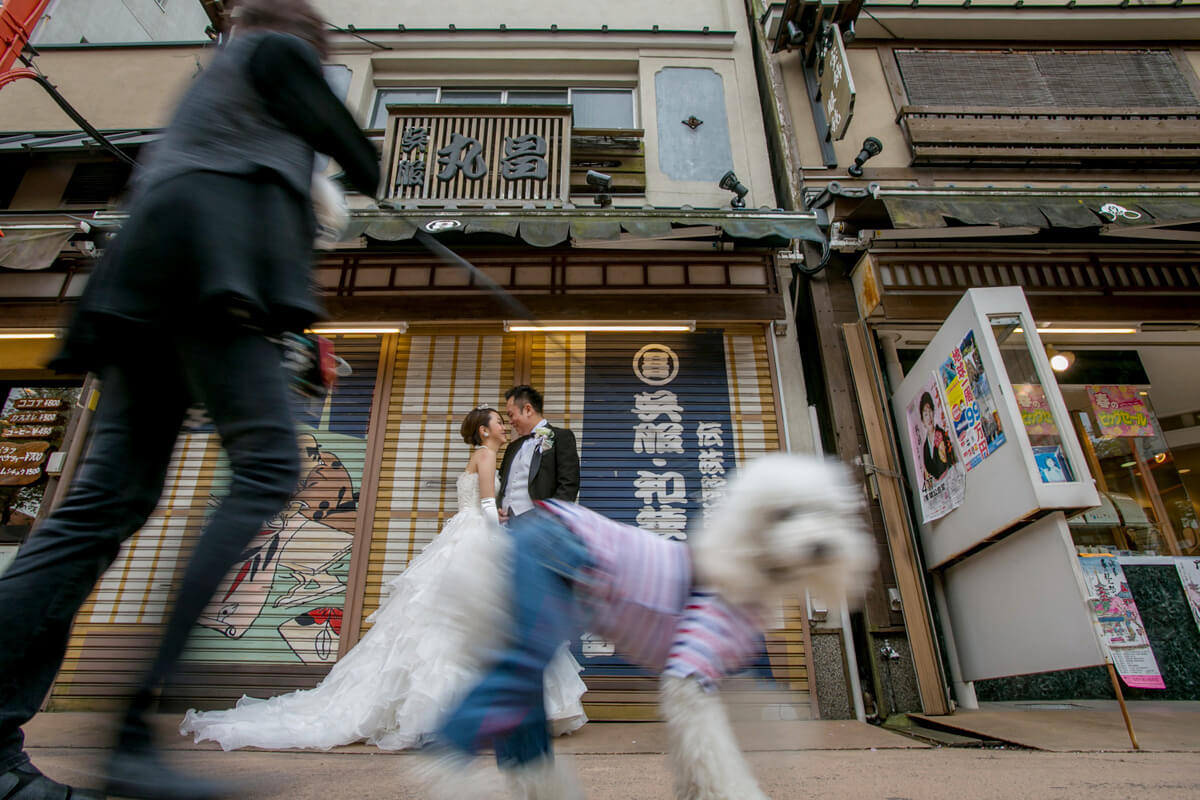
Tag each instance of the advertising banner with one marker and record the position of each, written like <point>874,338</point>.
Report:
<point>1120,411</point>
<point>935,460</point>
<point>1121,630</point>
<point>1035,410</point>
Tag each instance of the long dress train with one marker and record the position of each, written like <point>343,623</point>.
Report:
<point>412,666</point>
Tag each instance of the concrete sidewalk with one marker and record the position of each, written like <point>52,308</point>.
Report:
<point>832,760</point>
<point>1080,725</point>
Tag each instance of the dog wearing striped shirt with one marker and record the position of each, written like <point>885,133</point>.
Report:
<point>693,611</point>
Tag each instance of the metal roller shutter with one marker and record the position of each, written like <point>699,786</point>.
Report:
<point>661,419</point>
<point>436,380</point>
<point>275,622</point>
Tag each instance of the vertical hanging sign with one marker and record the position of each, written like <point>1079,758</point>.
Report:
<point>658,442</point>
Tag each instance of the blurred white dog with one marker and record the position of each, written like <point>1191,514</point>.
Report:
<point>787,523</point>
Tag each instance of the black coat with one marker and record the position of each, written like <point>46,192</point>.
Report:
<point>553,474</point>
<point>232,241</point>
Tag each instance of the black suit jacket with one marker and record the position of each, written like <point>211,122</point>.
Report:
<point>553,474</point>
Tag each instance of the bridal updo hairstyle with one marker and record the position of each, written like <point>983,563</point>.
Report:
<point>476,418</point>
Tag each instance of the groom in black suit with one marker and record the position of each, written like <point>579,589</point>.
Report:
<point>542,464</point>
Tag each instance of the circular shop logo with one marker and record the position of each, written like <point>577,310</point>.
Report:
<point>439,225</point>
<point>656,364</point>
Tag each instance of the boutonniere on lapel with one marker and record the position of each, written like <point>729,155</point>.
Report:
<point>543,440</point>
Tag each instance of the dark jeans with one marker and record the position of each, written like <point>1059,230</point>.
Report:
<point>507,708</point>
<point>144,396</point>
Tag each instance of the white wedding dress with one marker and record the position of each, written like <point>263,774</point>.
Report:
<point>422,654</point>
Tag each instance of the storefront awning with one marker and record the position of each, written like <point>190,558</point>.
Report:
<point>75,140</point>
<point>590,228</point>
<point>33,248</point>
<point>1117,213</point>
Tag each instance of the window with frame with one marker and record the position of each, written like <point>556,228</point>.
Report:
<point>593,107</point>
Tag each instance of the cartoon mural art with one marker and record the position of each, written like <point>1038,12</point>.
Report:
<point>314,635</point>
<point>282,602</point>
<point>301,546</point>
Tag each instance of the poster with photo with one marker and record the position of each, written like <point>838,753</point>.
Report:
<point>935,459</point>
<point>1189,575</point>
<point>981,388</point>
<point>968,391</point>
<point>1121,630</point>
<point>1051,464</point>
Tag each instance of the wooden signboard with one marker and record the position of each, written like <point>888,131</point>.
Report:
<point>22,464</point>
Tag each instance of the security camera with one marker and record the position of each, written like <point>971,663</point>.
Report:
<point>599,180</point>
<point>730,183</point>
<point>603,183</point>
<point>795,36</point>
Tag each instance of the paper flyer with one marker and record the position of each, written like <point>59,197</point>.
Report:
<point>1121,630</point>
<point>1189,575</point>
<point>981,388</point>
<point>972,407</point>
<point>934,457</point>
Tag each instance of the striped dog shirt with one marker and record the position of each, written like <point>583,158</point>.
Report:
<point>638,594</point>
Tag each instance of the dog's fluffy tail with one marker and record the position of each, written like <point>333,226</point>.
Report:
<point>705,755</point>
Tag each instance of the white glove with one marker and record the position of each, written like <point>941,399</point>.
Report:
<point>331,211</point>
<point>488,504</point>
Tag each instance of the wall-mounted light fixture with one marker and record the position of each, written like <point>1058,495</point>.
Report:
<point>730,183</point>
<point>600,326</point>
<point>871,147</point>
<point>337,329</point>
<point>604,184</point>
<point>1060,360</point>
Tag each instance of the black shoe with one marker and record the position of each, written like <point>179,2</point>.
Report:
<point>142,775</point>
<point>26,782</point>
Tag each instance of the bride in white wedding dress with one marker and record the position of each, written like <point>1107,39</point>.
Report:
<point>411,667</point>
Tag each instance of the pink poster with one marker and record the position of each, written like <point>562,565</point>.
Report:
<point>1121,630</point>
<point>1120,411</point>
<point>1035,411</point>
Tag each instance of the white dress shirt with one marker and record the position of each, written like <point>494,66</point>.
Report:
<point>516,494</point>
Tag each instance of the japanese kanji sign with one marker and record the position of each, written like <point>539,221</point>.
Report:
<point>500,153</point>
<point>837,86</point>
<point>670,396</point>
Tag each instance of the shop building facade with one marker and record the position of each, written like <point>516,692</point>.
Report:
<point>555,211</point>
<point>1048,150</point>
